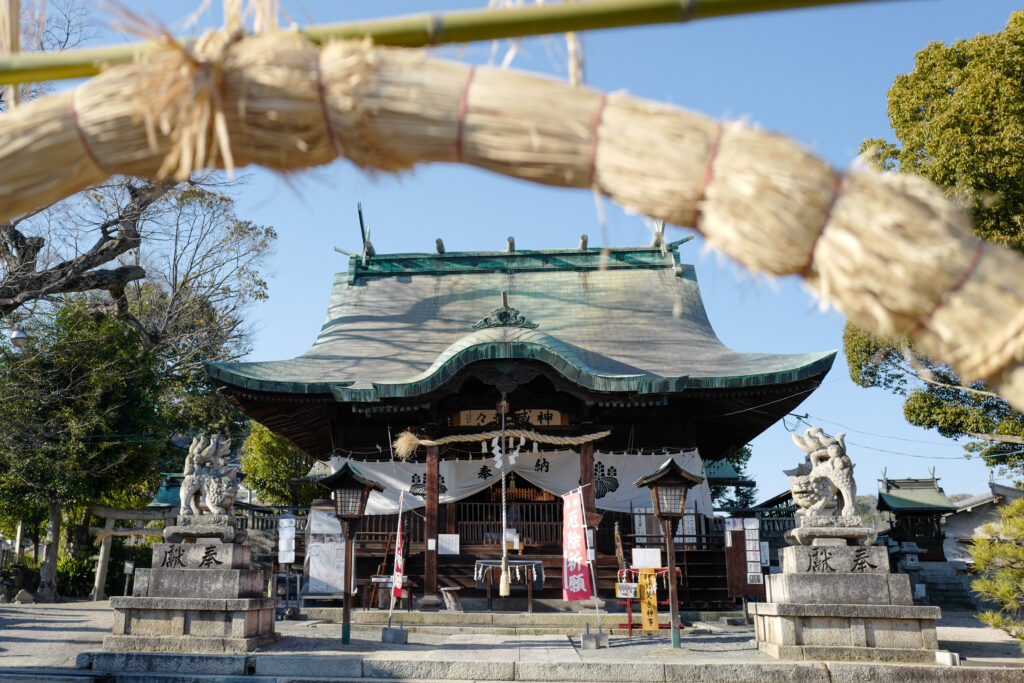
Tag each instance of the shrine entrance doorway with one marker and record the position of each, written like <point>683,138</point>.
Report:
<point>533,513</point>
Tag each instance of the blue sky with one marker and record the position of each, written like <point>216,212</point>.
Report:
<point>818,75</point>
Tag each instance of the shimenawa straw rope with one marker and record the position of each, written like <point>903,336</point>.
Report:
<point>406,443</point>
<point>888,250</point>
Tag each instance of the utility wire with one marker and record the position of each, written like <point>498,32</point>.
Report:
<point>802,418</point>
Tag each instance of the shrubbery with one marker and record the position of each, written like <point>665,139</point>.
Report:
<point>75,576</point>
<point>999,561</point>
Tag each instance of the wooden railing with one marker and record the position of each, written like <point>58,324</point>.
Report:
<point>537,523</point>
<point>265,518</point>
<point>379,526</point>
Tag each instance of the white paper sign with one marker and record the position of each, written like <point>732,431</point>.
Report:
<point>646,558</point>
<point>327,568</point>
<point>447,544</point>
<point>626,590</point>
<point>755,578</point>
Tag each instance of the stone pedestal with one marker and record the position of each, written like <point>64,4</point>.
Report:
<point>841,602</point>
<point>200,595</point>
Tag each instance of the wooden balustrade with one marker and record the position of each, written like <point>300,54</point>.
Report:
<point>376,526</point>
<point>537,523</point>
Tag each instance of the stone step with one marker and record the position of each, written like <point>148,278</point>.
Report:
<point>49,675</point>
<point>557,621</point>
<point>607,625</point>
<point>371,669</point>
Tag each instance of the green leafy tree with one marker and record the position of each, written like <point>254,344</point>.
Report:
<point>735,497</point>
<point>999,560</point>
<point>78,414</point>
<point>958,118</point>
<point>270,463</point>
<point>959,121</point>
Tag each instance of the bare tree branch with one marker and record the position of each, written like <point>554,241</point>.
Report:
<point>918,371</point>
<point>1001,438</point>
<point>23,280</point>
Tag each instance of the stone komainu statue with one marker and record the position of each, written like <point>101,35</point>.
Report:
<point>826,472</point>
<point>208,477</point>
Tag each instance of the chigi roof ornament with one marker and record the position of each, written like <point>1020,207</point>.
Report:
<point>505,316</point>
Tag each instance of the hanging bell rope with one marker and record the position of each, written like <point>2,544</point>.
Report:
<point>890,251</point>
<point>504,585</point>
<point>407,442</point>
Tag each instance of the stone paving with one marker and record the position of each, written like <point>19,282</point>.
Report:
<point>37,635</point>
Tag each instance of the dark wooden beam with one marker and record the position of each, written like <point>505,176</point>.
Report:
<point>587,482</point>
<point>430,526</point>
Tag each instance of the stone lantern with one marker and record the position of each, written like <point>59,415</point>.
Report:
<point>669,486</point>
<point>350,490</point>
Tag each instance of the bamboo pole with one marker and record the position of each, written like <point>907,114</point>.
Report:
<point>429,29</point>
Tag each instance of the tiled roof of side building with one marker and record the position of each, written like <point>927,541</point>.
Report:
<point>625,319</point>
<point>913,495</point>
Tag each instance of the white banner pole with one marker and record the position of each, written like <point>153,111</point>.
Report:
<point>391,608</point>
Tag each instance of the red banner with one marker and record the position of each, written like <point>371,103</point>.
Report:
<point>399,555</point>
<point>575,570</point>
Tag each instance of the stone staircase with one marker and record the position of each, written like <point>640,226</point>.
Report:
<point>545,620</point>
<point>944,587</point>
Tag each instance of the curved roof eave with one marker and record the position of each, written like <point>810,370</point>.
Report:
<point>546,349</point>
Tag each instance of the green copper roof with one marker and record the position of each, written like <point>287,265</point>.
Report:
<point>913,495</point>
<point>169,492</point>
<point>618,320</point>
<point>720,469</point>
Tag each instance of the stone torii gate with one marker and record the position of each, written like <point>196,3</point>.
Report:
<point>105,535</point>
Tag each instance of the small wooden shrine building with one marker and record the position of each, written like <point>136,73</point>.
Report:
<point>917,507</point>
<point>609,350</point>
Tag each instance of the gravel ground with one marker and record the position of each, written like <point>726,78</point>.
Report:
<point>52,634</point>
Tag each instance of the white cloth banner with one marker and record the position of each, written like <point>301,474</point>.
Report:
<point>557,472</point>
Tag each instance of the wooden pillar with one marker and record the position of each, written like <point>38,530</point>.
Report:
<point>451,519</point>
<point>587,482</point>
<point>346,611</point>
<point>99,587</point>
<point>430,524</point>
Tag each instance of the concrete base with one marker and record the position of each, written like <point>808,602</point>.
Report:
<point>191,624</point>
<point>395,636</point>
<point>885,633</point>
<point>199,583</point>
<point>222,527</point>
<point>593,641</point>
<point>187,643</point>
<point>854,654</point>
<point>201,597</point>
<point>429,602</point>
<point>839,589</point>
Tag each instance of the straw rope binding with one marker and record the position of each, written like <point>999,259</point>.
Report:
<point>407,442</point>
<point>890,251</point>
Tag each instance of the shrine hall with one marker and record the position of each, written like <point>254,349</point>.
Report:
<point>606,356</point>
